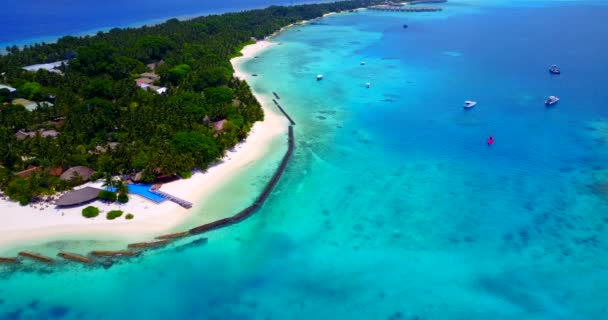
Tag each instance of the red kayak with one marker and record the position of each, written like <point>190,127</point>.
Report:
<point>490,140</point>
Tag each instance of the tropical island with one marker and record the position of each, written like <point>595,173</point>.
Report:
<point>147,103</point>
<point>87,122</point>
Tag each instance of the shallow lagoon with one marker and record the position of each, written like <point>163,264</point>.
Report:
<point>394,207</point>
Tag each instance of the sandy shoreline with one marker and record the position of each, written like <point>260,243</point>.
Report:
<point>33,226</point>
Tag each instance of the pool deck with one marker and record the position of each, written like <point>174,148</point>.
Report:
<point>181,202</point>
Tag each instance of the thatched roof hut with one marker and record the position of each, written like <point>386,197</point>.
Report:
<point>78,197</point>
<point>83,172</point>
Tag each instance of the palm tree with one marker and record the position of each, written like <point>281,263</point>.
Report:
<point>108,180</point>
<point>115,183</point>
<point>120,186</point>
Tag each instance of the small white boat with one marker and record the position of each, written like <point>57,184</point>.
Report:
<point>367,85</point>
<point>551,100</point>
<point>469,104</point>
<point>554,70</point>
<point>362,63</point>
<point>319,77</point>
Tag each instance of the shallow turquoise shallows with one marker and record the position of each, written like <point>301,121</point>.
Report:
<point>394,206</point>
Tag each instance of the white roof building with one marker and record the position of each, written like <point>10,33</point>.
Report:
<point>46,66</point>
<point>10,89</point>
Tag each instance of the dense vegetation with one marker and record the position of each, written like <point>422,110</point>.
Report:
<point>111,215</point>
<point>97,103</point>
<point>107,196</point>
<point>90,212</point>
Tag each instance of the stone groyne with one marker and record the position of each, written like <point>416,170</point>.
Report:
<point>144,245</point>
<point>35,256</point>
<point>293,123</point>
<point>384,7</point>
<point>245,213</point>
<point>415,2</point>
<point>173,236</point>
<point>74,257</point>
<point>111,254</point>
<point>8,260</point>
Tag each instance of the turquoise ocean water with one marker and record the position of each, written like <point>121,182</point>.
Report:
<point>394,207</point>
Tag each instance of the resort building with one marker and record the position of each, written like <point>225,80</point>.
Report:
<point>28,172</point>
<point>152,66</point>
<point>150,76</point>
<point>146,86</point>
<point>146,80</point>
<point>31,105</point>
<point>144,83</point>
<point>10,89</point>
<point>104,149</point>
<point>56,172</point>
<point>78,197</point>
<point>219,125</point>
<point>22,135</point>
<point>51,67</point>
<point>80,172</point>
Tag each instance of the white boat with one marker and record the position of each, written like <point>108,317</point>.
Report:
<point>551,100</point>
<point>367,85</point>
<point>319,77</point>
<point>469,104</point>
<point>362,63</point>
<point>554,70</point>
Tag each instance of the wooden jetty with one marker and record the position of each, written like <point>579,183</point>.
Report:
<point>173,235</point>
<point>8,260</point>
<point>35,256</point>
<point>74,257</point>
<point>119,253</point>
<point>181,202</point>
<point>276,95</point>
<point>383,7</point>
<point>144,245</point>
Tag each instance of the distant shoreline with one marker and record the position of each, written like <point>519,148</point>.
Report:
<point>138,24</point>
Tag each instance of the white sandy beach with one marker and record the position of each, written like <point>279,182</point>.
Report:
<point>33,226</point>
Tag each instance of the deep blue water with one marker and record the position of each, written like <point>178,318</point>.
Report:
<point>394,207</point>
<point>28,21</point>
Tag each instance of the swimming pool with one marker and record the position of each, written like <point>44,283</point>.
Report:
<point>142,190</point>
